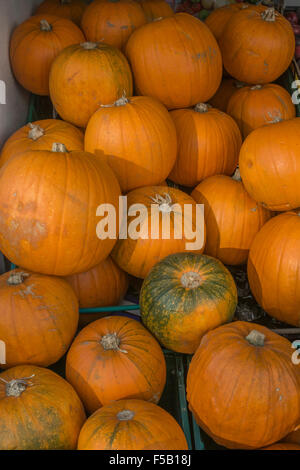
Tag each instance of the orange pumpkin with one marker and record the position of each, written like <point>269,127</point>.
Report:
<point>40,135</point>
<point>274,267</point>
<point>293,437</point>
<point>282,446</point>
<point>209,142</point>
<point>70,9</point>
<point>255,106</point>
<point>38,410</point>
<point>138,138</point>
<point>242,386</point>
<point>148,240</point>
<point>218,18</point>
<point>155,9</point>
<point>232,218</point>
<point>85,76</point>
<point>35,44</point>
<point>48,203</point>
<point>257,46</point>
<point>176,60</point>
<point>131,425</point>
<point>112,21</point>
<point>115,358</point>
<point>270,166</point>
<point>227,88</point>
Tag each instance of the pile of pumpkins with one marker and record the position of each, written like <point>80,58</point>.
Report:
<point>140,95</point>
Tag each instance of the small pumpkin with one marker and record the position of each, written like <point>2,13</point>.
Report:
<point>138,138</point>
<point>34,45</point>
<point>155,9</point>
<point>70,9</point>
<point>39,410</point>
<point>40,135</point>
<point>242,386</point>
<point>274,267</point>
<point>115,358</point>
<point>131,425</point>
<point>227,88</point>
<point>258,105</point>
<point>282,446</point>
<point>85,76</point>
<point>209,142</point>
<point>184,296</point>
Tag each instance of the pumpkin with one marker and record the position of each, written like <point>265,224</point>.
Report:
<point>101,286</point>
<point>282,446</point>
<point>209,142</point>
<point>274,267</point>
<point>242,386</point>
<point>293,437</point>
<point>39,317</point>
<point>38,410</point>
<point>232,217</point>
<point>257,46</point>
<point>138,137</point>
<point>176,60</point>
<point>131,425</point>
<point>48,203</point>
<point>70,9</point>
<point>35,44</point>
<point>227,88</point>
<point>217,19</point>
<point>40,135</point>
<point>155,9</point>
<point>114,358</point>
<point>255,106</point>
<point>112,21</point>
<point>270,166</point>
<point>85,76</point>
<point>184,296</point>
<point>168,222</point>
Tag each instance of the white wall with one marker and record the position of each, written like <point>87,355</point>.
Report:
<point>13,112</point>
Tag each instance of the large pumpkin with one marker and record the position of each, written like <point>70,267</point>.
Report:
<point>138,138</point>
<point>209,142</point>
<point>35,44</point>
<point>242,386</point>
<point>227,88</point>
<point>270,165</point>
<point>112,21</point>
<point>48,203</point>
<point>70,9</point>
<point>155,9</point>
<point>38,410</point>
<point>257,46</point>
<point>176,60</point>
<point>40,135</point>
<point>218,18</point>
<point>39,317</point>
<point>255,106</point>
<point>115,358</point>
<point>282,446</point>
<point>184,296</point>
<point>232,217</point>
<point>131,425</point>
<point>274,267</point>
<point>147,238</point>
<point>84,77</point>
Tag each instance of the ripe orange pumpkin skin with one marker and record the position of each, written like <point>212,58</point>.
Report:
<point>112,21</point>
<point>227,88</point>
<point>274,267</point>
<point>40,135</point>
<point>70,9</point>
<point>218,18</point>
<point>85,76</point>
<point>232,218</point>
<point>256,106</point>
<point>115,358</point>
<point>48,203</point>
<point>176,60</point>
<point>155,9</point>
<point>261,57</point>
<point>242,386</point>
<point>282,446</point>
<point>131,425</point>
<point>35,44</point>
<point>138,256</point>
<point>209,142</point>
<point>39,410</point>
<point>138,138</point>
<point>270,166</point>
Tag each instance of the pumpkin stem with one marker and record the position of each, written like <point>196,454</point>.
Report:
<point>16,387</point>
<point>16,278</point>
<point>59,148</point>
<point>191,280</point>
<point>89,45</point>
<point>237,175</point>
<point>269,14</point>
<point>239,84</point>
<point>158,19</point>
<point>256,338</point>
<point>35,131</point>
<point>45,26</point>
<point>125,415</point>
<point>202,107</point>
<point>120,102</point>
<point>256,87</point>
<point>111,341</point>
<point>164,202</point>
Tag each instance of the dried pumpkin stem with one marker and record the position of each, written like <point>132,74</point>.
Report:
<point>59,148</point>
<point>16,278</point>
<point>269,14</point>
<point>112,342</point>
<point>237,175</point>
<point>256,87</point>
<point>164,202</point>
<point>239,84</point>
<point>45,26</point>
<point>15,387</point>
<point>125,415</point>
<point>190,280</point>
<point>120,102</point>
<point>256,338</point>
<point>89,45</point>
<point>35,131</point>
<point>202,107</point>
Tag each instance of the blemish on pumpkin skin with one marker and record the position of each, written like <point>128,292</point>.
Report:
<point>72,76</point>
<point>249,164</point>
<point>110,24</point>
<point>28,291</point>
<point>254,209</point>
<point>124,26</point>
